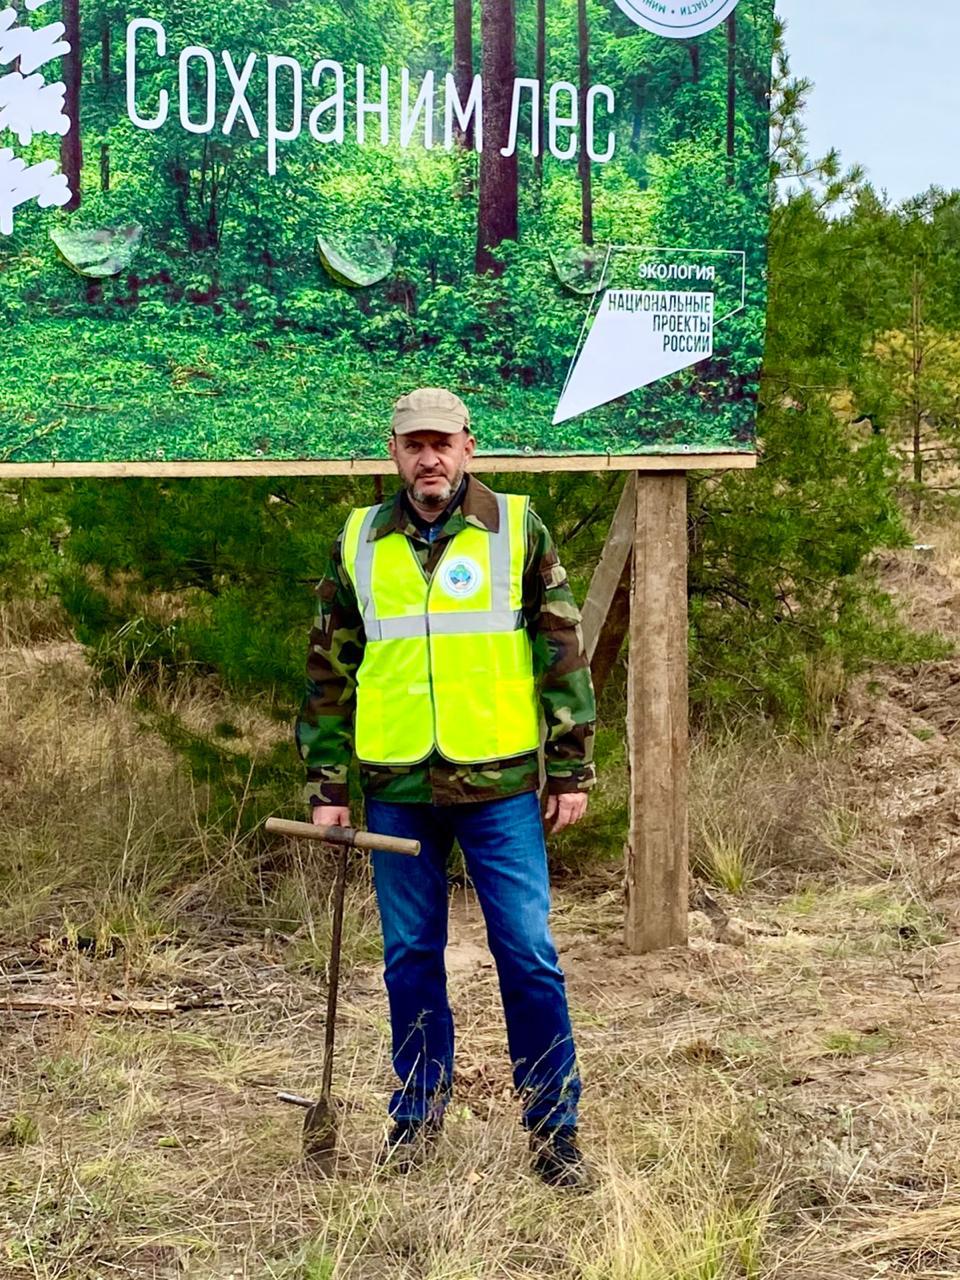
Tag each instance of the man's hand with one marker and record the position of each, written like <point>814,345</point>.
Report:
<point>564,810</point>
<point>328,815</point>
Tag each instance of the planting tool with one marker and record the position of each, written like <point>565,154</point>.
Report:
<point>320,1124</point>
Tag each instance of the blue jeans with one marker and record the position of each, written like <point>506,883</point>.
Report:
<point>502,842</point>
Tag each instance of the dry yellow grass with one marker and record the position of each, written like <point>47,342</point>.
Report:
<point>786,1110</point>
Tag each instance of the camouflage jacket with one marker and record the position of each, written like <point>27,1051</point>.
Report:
<point>324,728</point>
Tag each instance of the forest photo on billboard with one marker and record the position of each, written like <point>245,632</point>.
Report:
<point>238,232</point>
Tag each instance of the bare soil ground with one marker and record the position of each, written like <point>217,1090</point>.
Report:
<point>783,1104</point>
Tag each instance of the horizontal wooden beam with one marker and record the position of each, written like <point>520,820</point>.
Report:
<point>375,466</point>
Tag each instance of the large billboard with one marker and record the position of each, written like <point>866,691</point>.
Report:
<point>237,232</point>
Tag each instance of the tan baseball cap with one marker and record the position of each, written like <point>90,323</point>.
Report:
<point>430,409</point>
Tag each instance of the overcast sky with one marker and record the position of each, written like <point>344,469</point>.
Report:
<point>887,76</point>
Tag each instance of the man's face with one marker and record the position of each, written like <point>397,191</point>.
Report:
<point>431,464</point>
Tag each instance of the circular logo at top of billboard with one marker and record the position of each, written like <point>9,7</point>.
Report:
<point>678,19</point>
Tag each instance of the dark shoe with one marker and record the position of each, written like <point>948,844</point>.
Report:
<point>558,1160</point>
<point>409,1143</point>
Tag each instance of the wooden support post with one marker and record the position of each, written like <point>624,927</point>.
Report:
<point>610,641</point>
<point>606,610</point>
<point>613,560</point>
<point>657,719</point>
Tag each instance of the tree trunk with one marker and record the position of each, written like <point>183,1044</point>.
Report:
<point>105,82</point>
<point>463,60</point>
<point>15,6</point>
<point>639,102</point>
<point>542,81</point>
<point>586,193</point>
<point>731,96</point>
<point>213,208</point>
<point>916,373</point>
<point>71,152</point>
<point>693,48</point>
<point>498,217</point>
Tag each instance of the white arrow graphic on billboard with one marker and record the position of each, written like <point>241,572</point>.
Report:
<point>637,337</point>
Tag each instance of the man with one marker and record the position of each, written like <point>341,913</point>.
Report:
<point>446,627</point>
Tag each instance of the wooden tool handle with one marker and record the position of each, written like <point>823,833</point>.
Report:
<point>344,835</point>
<point>294,1100</point>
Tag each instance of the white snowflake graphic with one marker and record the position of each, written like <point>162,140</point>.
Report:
<point>30,106</point>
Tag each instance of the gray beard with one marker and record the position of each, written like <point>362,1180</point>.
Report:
<point>435,501</point>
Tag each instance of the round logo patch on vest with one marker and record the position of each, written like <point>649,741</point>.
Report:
<point>461,577</point>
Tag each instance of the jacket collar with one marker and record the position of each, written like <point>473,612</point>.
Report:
<point>478,508</point>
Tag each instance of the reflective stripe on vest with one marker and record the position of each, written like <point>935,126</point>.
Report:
<point>499,618</point>
<point>447,663</point>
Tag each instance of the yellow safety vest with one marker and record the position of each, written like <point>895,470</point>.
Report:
<point>448,663</point>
